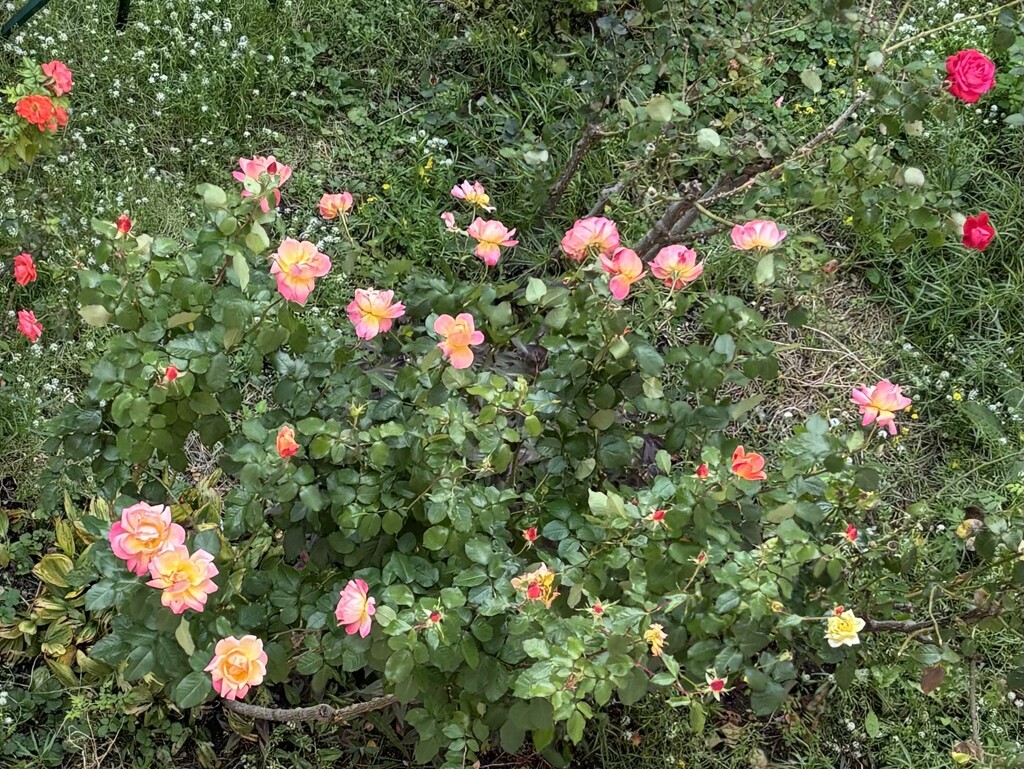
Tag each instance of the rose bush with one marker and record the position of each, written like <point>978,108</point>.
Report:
<point>505,522</point>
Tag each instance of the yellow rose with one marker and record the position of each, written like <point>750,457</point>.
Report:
<point>843,628</point>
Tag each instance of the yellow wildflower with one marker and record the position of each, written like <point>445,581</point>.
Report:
<point>958,396</point>
<point>832,62</point>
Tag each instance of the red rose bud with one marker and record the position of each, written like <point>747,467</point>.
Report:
<point>851,533</point>
<point>597,608</point>
<point>702,471</point>
<point>170,374</point>
<point>124,224</point>
<point>435,616</point>
<point>530,534</point>
<point>978,233</point>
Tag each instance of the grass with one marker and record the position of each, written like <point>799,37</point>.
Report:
<point>398,99</point>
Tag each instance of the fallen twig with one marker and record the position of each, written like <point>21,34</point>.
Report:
<point>322,713</point>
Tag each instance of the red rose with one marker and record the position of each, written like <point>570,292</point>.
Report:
<point>124,224</point>
<point>37,110</point>
<point>971,73</point>
<point>978,233</point>
<point>24,269</point>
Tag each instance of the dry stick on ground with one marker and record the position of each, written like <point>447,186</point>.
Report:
<point>322,713</point>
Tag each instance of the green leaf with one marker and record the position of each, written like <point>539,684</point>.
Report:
<point>399,665</point>
<point>95,315</point>
<point>256,239</point>
<point>765,270</point>
<point>536,289</point>
<point>811,79</point>
<point>194,689</point>
<point>241,267</point>
<point>574,727</point>
<point>708,139</point>
<point>480,550</point>
<point>212,195</point>
<point>659,108</point>
<point>871,725</point>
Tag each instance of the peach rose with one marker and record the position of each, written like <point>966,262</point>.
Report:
<point>296,267</point>
<point>757,233</point>
<point>459,333</point>
<point>237,664</point>
<point>491,237</point>
<point>749,466</point>
<point>333,206</point>
<point>355,608</point>
<point>24,269</point>
<point>594,235</point>
<point>625,268</point>
<point>186,580</point>
<point>144,532</point>
<point>372,312</point>
<point>254,169</point>
<point>676,266</point>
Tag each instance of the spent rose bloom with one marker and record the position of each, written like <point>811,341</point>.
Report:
<point>186,580</point>
<point>355,607</point>
<point>749,466</point>
<point>237,664</point>
<point>677,266</point>
<point>538,585</point>
<point>656,637</point>
<point>60,76</point>
<point>334,205</point>
<point>971,73</point>
<point>144,532</point>
<point>286,445</point>
<point>24,269</point>
<point>843,627</point>
<point>296,267</point>
<point>593,235</point>
<point>716,685</point>
<point>879,403</point>
<point>39,111</point>
<point>757,233</point>
<point>977,232</point>
<point>255,168</point>
<point>373,312</point>
<point>473,193</point>
<point>490,237</point>
<point>625,267</point>
<point>459,333</point>
<point>29,326</point>
<point>449,221</point>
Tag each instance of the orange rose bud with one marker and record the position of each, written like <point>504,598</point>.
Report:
<point>286,445</point>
